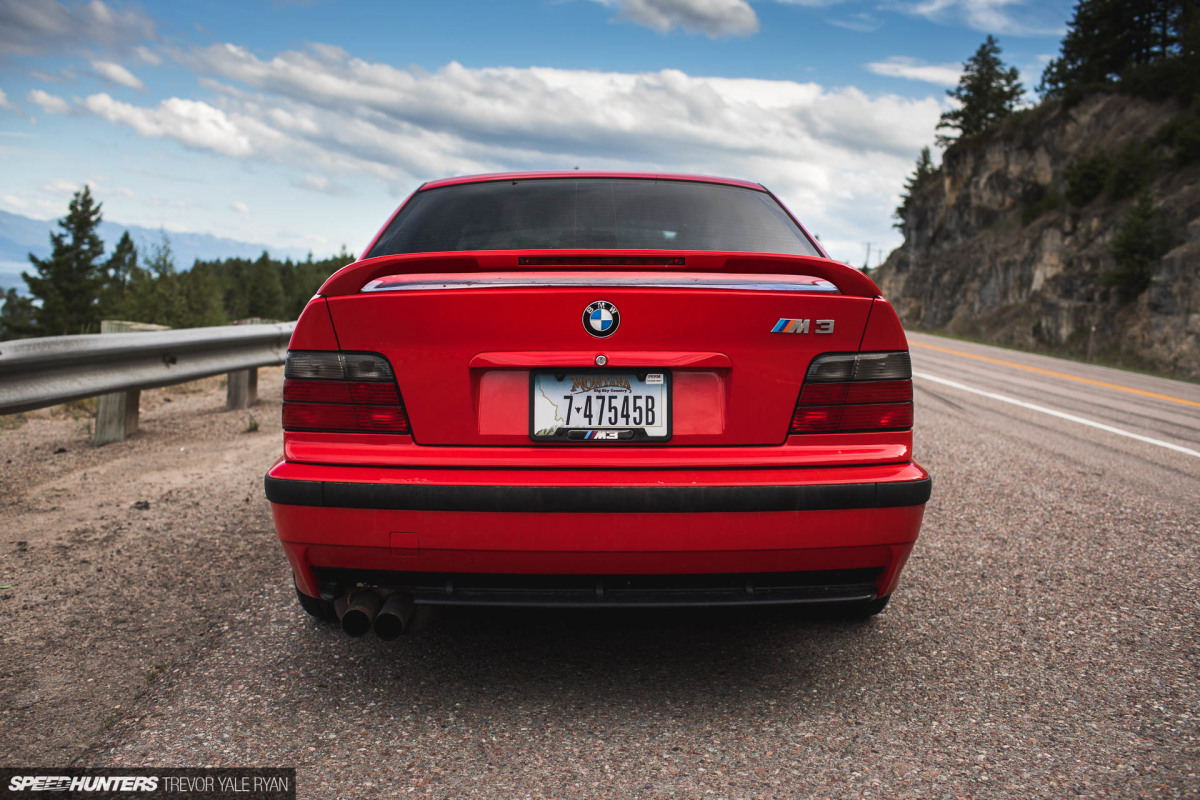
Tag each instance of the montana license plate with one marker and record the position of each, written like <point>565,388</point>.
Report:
<point>600,406</point>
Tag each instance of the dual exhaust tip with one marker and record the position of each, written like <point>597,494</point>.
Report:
<point>361,610</point>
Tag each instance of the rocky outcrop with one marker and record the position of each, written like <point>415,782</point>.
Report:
<point>993,251</point>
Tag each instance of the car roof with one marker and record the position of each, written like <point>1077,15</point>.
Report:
<point>575,173</point>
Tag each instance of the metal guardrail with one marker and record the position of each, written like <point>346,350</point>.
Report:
<point>35,373</point>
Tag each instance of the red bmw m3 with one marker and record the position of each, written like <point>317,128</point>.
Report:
<point>595,390</point>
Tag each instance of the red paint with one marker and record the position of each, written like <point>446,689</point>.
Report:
<point>462,360</point>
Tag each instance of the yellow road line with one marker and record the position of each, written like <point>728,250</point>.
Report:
<point>1062,375</point>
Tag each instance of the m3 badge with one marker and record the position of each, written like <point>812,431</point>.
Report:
<point>803,326</point>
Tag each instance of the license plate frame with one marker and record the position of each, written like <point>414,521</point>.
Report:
<point>653,382</point>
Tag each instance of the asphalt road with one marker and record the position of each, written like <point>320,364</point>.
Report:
<point>1043,643</point>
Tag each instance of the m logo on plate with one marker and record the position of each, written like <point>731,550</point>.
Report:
<point>601,319</point>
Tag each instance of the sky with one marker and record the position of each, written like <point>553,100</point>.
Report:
<point>303,123</point>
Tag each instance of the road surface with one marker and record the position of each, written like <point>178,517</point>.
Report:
<point>1043,643</point>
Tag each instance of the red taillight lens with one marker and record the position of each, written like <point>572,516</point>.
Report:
<point>823,394</point>
<point>876,417</point>
<point>374,394</point>
<point>319,417</point>
<point>855,392</point>
<point>331,417</point>
<point>390,420</point>
<point>880,392</point>
<point>811,420</point>
<point>316,392</point>
<point>351,392</point>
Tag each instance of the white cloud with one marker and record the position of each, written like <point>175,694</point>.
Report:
<point>61,186</point>
<point>861,22</point>
<point>993,16</point>
<point>39,27</point>
<point>148,56</point>
<point>190,121</point>
<point>324,185</point>
<point>838,156</point>
<point>49,103</point>
<point>713,18</point>
<point>913,70</point>
<point>65,75</point>
<point>117,74</point>
<point>811,3</point>
<point>7,106</point>
<point>240,207</point>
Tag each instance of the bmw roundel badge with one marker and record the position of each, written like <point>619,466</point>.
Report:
<point>601,319</point>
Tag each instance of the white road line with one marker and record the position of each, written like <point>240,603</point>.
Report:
<point>1060,414</point>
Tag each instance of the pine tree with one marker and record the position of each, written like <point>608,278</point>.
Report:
<point>1140,243</point>
<point>69,281</point>
<point>202,299</point>
<point>920,175</point>
<point>1106,39</point>
<point>264,289</point>
<point>987,92</point>
<point>118,271</point>
<point>16,316</point>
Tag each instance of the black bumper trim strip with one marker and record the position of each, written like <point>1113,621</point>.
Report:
<point>598,499</point>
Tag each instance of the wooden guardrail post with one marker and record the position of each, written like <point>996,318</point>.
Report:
<point>241,389</point>
<point>117,413</point>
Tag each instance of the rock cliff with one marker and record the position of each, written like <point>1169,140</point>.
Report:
<point>994,249</point>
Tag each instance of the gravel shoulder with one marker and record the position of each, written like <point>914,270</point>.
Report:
<point>120,561</point>
<point>1042,645</point>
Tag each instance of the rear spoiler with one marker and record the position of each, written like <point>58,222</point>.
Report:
<point>351,278</point>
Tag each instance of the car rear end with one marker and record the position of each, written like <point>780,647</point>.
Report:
<point>593,391</point>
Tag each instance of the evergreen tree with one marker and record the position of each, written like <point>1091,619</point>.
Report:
<point>921,174</point>
<point>122,262</point>
<point>69,281</point>
<point>1106,39</point>
<point>117,272</point>
<point>987,92</point>
<point>264,290</point>
<point>16,316</point>
<point>202,299</point>
<point>1140,243</point>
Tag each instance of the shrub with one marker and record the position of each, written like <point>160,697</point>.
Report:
<point>1132,170</point>
<point>1183,135</point>
<point>1050,200</point>
<point>1142,240</point>
<point>1086,178</point>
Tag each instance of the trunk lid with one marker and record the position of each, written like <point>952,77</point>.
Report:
<point>733,336</point>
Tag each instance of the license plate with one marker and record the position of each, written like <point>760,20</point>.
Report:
<point>600,406</point>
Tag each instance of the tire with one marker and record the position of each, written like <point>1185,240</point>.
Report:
<point>315,606</point>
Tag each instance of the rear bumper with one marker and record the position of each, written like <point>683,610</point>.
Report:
<point>745,535</point>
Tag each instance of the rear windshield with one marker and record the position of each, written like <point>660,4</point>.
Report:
<point>592,213</point>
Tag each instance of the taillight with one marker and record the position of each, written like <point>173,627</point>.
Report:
<point>845,392</point>
<point>330,391</point>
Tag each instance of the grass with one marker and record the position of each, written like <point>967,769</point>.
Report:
<point>151,674</point>
<point>10,422</point>
<point>77,409</point>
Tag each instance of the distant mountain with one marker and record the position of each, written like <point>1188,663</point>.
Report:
<point>20,235</point>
